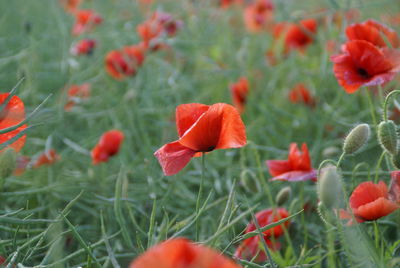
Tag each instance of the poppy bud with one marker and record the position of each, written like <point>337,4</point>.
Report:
<point>8,160</point>
<point>387,136</point>
<point>283,196</point>
<point>396,160</point>
<point>249,181</point>
<point>329,187</point>
<point>356,139</point>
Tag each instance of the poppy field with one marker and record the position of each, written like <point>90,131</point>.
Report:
<point>199,134</point>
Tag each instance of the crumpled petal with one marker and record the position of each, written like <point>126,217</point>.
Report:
<point>173,157</point>
<point>277,167</point>
<point>187,114</point>
<point>296,176</point>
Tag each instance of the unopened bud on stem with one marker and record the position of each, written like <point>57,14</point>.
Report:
<point>356,139</point>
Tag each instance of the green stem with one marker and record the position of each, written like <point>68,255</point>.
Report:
<point>371,108</point>
<point>378,165</point>
<point>203,169</point>
<point>340,159</point>
<point>394,92</point>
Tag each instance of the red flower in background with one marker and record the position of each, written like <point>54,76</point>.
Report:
<point>296,168</point>
<point>124,62</point>
<point>75,94</point>
<point>156,26</point>
<point>70,6</point>
<point>12,114</point>
<point>251,247</point>
<point>301,94</point>
<point>228,3</point>
<point>181,253</point>
<point>373,32</point>
<point>296,36</point>
<point>239,91</point>
<point>108,146</point>
<point>201,128</point>
<point>363,64</point>
<point>258,16</point>
<point>85,20</point>
<point>84,47</point>
<point>47,158</point>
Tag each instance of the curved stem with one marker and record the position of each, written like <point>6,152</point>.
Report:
<point>340,159</point>
<point>394,92</point>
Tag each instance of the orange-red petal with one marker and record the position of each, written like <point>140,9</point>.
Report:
<point>173,157</point>
<point>187,114</point>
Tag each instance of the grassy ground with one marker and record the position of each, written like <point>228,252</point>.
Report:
<point>75,214</point>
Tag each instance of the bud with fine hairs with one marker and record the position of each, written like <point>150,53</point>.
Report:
<point>396,160</point>
<point>387,136</point>
<point>356,139</point>
<point>8,160</point>
<point>283,195</point>
<point>329,187</point>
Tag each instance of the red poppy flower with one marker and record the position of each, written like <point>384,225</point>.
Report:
<point>363,64</point>
<point>258,16</point>
<point>76,93</point>
<point>84,47</point>
<point>12,114</point>
<point>296,168</point>
<point>47,158</point>
<point>85,20</point>
<point>239,91</point>
<point>124,62</point>
<point>21,165</point>
<point>181,253</point>
<point>201,128</point>
<point>301,94</point>
<point>251,247</point>
<point>370,201</point>
<point>228,3</point>
<point>373,32</point>
<point>108,146</point>
<point>296,36</point>
<point>70,6</point>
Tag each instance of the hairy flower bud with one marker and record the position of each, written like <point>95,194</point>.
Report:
<point>387,136</point>
<point>356,139</point>
<point>329,187</point>
<point>8,159</point>
<point>283,196</point>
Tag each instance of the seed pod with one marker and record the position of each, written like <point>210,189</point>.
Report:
<point>387,136</point>
<point>249,181</point>
<point>329,187</point>
<point>283,196</point>
<point>8,159</point>
<point>356,139</point>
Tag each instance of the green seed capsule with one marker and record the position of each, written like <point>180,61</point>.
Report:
<point>387,136</point>
<point>8,159</point>
<point>356,139</point>
<point>283,196</point>
<point>329,187</point>
<point>396,160</point>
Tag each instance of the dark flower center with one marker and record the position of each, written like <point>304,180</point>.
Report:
<point>209,149</point>
<point>363,73</point>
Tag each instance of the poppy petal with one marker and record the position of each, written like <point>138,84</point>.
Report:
<point>376,209</point>
<point>278,167</point>
<point>173,157</point>
<point>233,132</point>
<point>187,114</point>
<point>367,192</point>
<point>296,176</point>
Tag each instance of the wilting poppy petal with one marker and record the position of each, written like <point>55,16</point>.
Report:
<point>187,114</point>
<point>108,146</point>
<point>296,176</point>
<point>124,62</point>
<point>181,253</point>
<point>12,114</point>
<point>370,201</point>
<point>173,157</point>
<point>373,32</point>
<point>363,64</point>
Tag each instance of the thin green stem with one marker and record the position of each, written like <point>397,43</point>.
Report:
<point>385,104</point>
<point>340,159</point>
<point>203,170</point>
<point>371,108</point>
<point>378,165</point>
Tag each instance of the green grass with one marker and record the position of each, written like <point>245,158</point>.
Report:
<point>75,214</point>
